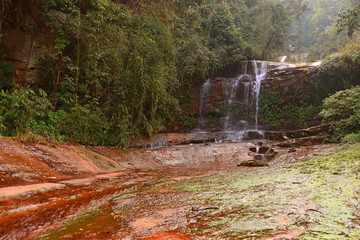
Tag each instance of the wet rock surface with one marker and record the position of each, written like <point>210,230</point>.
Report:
<point>287,76</point>
<point>200,195</point>
<point>309,136</point>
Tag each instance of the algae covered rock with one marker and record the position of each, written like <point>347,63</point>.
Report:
<point>253,163</point>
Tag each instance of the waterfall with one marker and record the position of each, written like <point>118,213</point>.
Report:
<point>244,69</point>
<point>238,103</point>
<point>283,59</point>
<point>205,95</point>
<point>260,74</point>
<point>232,98</point>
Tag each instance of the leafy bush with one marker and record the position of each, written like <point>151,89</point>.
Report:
<point>22,111</point>
<point>25,112</point>
<point>83,125</point>
<point>285,109</point>
<point>342,110</point>
<point>351,138</point>
<point>294,105</point>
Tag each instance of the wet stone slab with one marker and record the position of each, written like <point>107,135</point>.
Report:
<point>317,199</point>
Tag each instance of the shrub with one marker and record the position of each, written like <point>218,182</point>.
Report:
<point>23,111</point>
<point>285,109</point>
<point>342,111</point>
<point>82,124</point>
<point>351,138</point>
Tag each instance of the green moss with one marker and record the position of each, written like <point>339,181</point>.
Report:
<point>318,196</point>
<point>345,161</point>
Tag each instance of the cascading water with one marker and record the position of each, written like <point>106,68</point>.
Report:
<point>260,74</point>
<point>205,94</point>
<point>240,106</point>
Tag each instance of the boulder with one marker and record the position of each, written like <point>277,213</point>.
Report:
<point>305,141</point>
<point>253,163</point>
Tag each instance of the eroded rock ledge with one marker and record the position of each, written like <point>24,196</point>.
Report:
<point>308,136</point>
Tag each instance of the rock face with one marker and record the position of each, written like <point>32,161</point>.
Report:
<point>229,101</point>
<point>25,49</point>
<point>280,75</point>
<point>27,39</point>
<point>191,106</point>
<point>283,77</point>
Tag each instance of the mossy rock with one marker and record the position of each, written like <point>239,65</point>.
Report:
<point>253,163</point>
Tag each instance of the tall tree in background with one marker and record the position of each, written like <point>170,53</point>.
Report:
<point>317,29</point>
<point>272,24</point>
<point>349,19</point>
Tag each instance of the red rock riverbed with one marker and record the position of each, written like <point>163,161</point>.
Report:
<point>76,192</point>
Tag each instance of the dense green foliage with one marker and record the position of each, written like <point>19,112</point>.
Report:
<point>295,106</point>
<point>213,34</point>
<point>22,110</point>
<point>109,77</point>
<point>290,108</point>
<point>316,32</point>
<point>115,70</point>
<point>342,110</point>
<point>349,19</point>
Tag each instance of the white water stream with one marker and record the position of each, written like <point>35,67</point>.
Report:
<point>241,104</point>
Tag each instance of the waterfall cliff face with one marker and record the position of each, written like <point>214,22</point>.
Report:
<point>236,102</point>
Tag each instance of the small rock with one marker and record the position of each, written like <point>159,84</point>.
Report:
<point>292,150</point>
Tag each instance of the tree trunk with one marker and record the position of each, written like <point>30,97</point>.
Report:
<point>268,45</point>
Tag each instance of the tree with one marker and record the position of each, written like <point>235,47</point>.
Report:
<point>317,29</point>
<point>272,25</point>
<point>349,19</point>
